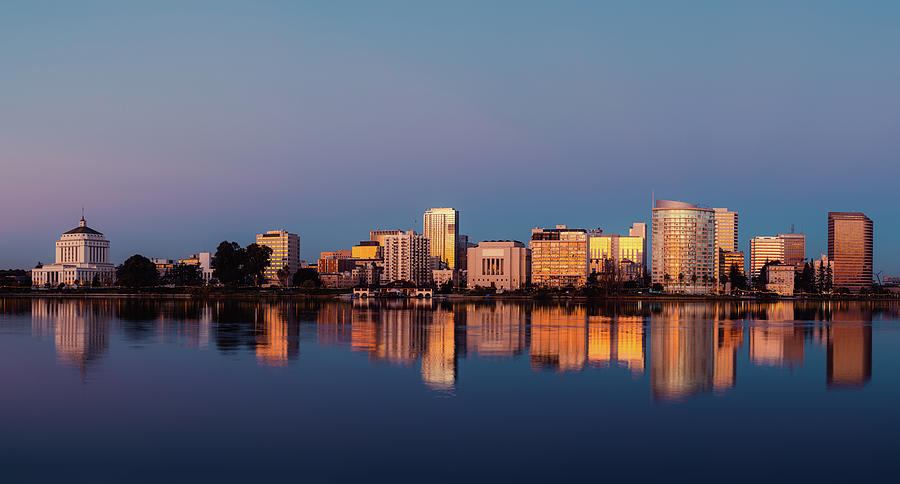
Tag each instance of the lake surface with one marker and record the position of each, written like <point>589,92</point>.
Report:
<point>112,390</point>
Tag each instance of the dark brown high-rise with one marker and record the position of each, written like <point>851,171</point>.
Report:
<point>850,237</point>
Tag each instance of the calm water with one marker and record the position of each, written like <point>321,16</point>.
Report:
<point>106,390</point>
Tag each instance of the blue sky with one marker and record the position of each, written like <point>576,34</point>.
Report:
<point>180,124</point>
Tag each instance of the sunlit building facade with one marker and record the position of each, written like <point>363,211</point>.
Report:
<point>285,253</point>
<point>726,240</point>
<point>763,250</point>
<point>683,255</point>
<point>625,255</point>
<point>559,257</point>
<point>794,249</point>
<point>441,227</point>
<point>850,250</point>
<point>82,255</point>
<point>500,264</point>
<point>406,258</point>
<point>727,260</point>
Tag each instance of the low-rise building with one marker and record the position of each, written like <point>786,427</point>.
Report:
<point>781,279</point>
<point>202,260</point>
<point>501,264</point>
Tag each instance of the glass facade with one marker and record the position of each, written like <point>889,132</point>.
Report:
<point>441,226</point>
<point>850,238</point>
<point>683,248</point>
<point>559,257</point>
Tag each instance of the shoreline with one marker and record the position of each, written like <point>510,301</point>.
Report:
<point>439,297</point>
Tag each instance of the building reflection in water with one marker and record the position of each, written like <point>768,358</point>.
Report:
<point>693,347</point>
<point>616,341</point>
<point>559,338</point>
<point>495,329</point>
<point>277,340</point>
<point>681,360</point>
<point>80,329</point>
<point>849,349</point>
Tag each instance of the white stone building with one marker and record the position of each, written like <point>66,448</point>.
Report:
<point>81,254</point>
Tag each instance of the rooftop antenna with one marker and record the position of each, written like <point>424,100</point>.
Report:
<point>792,228</point>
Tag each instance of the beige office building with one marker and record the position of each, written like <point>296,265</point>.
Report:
<point>683,247</point>
<point>406,259</point>
<point>781,279</point>
<point>441,226</point>
<point>559,257</point>
<point>501,264</point>
<point>285,253</point>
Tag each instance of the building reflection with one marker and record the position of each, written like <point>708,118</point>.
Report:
<point>728,337</point>
<point>495,329</point>
<point>616,341</point>
<point>693,348</point>
<point>277,340</point>
<point>849,353</point>
<point>778,344</point>
<point>559,338</point>
<point>80,329</point>
<point>682,360</point>
<point>439,361</point>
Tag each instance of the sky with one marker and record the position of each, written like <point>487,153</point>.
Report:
<point>181,124</point>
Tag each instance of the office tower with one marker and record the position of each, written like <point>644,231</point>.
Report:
<point>441,226</point>
<point>501,264</point>
<point>726,229</point>
<point>764,249</point>
<point>726,239</point>
<point>406,259</point>
<point>285,253</point>
<point>794,249</point>
<point>683,248</point>
<point>559,257</point>
<point>850,236</point>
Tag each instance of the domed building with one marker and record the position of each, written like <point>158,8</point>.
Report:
<point>81,255</point>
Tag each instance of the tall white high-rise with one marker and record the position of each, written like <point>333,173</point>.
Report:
<point>683,247</point>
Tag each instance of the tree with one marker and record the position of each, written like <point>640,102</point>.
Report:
<point>763,277</point>
<point>306,278</point>
<point>95,282</point>
<point>737,278</point>
<point>184,275</point>
<point>137,271</point>
<point>446,287</point>
<point>255,263</point>
<point>283,277</point>
<point>228,263</point>
<point>806,280</point>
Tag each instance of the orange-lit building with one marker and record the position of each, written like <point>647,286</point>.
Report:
<point>850,250</point>
<point>684,248</point>
<point>559,257</point>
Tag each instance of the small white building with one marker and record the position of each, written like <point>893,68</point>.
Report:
<point>81,255</point>
<point>781,279</point>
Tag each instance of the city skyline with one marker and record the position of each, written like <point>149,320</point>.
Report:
<point>180,124</point>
